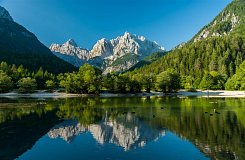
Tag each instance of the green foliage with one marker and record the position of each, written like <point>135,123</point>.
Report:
<point>149,59</point>
<point>82,110</point>
<point>220,54</point>
<point>91,78</point>
<point>168,81</point>
<point>206,82</point>
<point>15,74</point>
<point>122,83</point>
<point>39,76</point>
<point>148,82</point>
<point>71,83</point>
<point>6,83</point>
<point>223,54</point>
<point>27,85</point>
<point>86,80</point>
<point>154,56</point>
<point>134,85</point>
<point>223,27</point>
<point>50,85</point>
<point>115,83</point>
<point>237,81</point>
<point>187,82</point>
<point>213,80</point>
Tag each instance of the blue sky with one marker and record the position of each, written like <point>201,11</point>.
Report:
<point>168,22</point>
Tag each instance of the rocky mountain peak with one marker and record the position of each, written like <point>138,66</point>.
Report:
<point>229,21</point>
<point>5,14</point>
<point>102,48</point>
<point>69,48</point>
<point>127,35</point>
<point>71,42</point>
<point>116,55</point>
<point>103,40</point>
<point>221,26</point>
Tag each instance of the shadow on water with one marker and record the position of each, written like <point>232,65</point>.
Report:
<point>129,123</point>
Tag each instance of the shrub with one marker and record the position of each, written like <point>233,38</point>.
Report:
<point>27,85</point>
<point>6,83</point>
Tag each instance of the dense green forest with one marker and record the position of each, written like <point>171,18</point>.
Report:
<point>205,64</point>
<point>18,77</point>
<point>211,57</point>
<point>221,54</point>
<point>88,80</point>
<point>237,81</point>
<point>148,60</point>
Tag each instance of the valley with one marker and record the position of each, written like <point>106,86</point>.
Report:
<point>123,96</point>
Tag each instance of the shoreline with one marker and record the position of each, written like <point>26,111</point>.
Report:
<point>180,93</point>
<point>213,93</point>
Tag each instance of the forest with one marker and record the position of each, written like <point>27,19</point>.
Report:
<point>90,80</point>
<point>206,64</point>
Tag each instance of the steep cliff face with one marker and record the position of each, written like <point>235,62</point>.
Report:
<point>70,48</point>
<point>230,21</point>
<point>70,52</point>
<point>222,25</point>
<point>110,131</point>
<point>116,55</point>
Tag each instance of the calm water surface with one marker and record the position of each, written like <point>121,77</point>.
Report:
<point>122,128</point>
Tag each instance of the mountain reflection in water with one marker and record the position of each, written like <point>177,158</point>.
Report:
<point>182,128</point>
<point>126,131</point>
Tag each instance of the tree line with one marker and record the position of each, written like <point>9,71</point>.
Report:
<point>88,80</point>
<point>23,80</point>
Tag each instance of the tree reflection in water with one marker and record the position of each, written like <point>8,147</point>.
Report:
<point>215,126</point>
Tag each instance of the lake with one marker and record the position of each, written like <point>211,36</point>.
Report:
<point>122,128</point>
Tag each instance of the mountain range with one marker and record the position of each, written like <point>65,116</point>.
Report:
<point>21,47</point>
<point>218,46</point>
<point>116,55</point>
